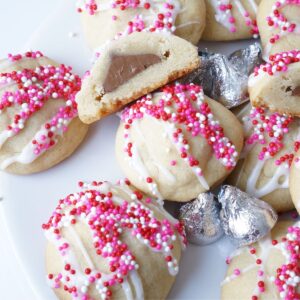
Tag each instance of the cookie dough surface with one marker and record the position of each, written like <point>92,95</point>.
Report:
<point>39,126</point>
<point>193,143</point>
<point>230,23</point>
<point>253,271</point>
<point>112,242</point>
<point>185,18</point>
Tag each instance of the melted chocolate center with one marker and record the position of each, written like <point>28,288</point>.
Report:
<point>124,67</point>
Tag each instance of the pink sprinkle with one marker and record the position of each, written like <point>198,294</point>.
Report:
<point>237,272</point>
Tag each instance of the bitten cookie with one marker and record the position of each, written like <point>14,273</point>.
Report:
<point>112,242</point>
<point>268,269</point>
<point>230,20</point>
<point>279,25</point>
<point>106,20</point>
<point>271,140</point>
<point>130,68</point>
<point>276,84</point>
<point>39,126</point>
<point>177,143</point>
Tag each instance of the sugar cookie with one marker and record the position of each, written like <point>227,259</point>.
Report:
<point>271,140</point>
<point>177,143</point>
<point>112,242</point>
<point>268,269</point>
<point>106,20</point>
<point>279,25</point>
<point>39,126</point>
<point>276,84</point>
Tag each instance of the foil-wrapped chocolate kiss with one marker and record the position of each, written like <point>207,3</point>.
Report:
<point>201,218</point>
<point>225,78</point>
<point>243,218</point>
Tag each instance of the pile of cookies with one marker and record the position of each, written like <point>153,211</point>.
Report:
<point>173,143</point>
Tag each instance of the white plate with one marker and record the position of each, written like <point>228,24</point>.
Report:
<point>29,200</point>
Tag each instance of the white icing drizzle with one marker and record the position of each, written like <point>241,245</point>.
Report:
<point>127,289</point>
<point>241,8</point>
<point>233,276</point>
<point>160,167</point>
<point>81,247</point>
<point>187,24</point>
<point>273,183</point>
<point>254,5</point>
<point>138,286</point>
<point>136,162</point>
<point>4,136</point>
<point>169,128</point>
<point>27,154</point>
<point>220,16</point>
<point>168,175</point>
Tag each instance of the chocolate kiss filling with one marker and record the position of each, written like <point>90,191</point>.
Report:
<point>124,67</point>
<point>296,91</point>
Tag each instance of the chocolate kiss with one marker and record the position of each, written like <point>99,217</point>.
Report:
<point>201,219</point>
<point>245,219</point>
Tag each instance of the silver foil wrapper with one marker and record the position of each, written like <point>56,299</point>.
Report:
<point>245,219</point>
<point>225,78</point>
<point>201,219</point>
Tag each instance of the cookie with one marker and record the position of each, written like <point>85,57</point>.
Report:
<point>105,20</point>
<point>268,269</point>
<point>193,144</point>
<point>279,26</point>
<point>131,67</point>
<point>230,20</point>
<point>271,140</point>
<point>39,126</point>
<point>276,84</point>
<point>294,181</point>
<point>112,242</point>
